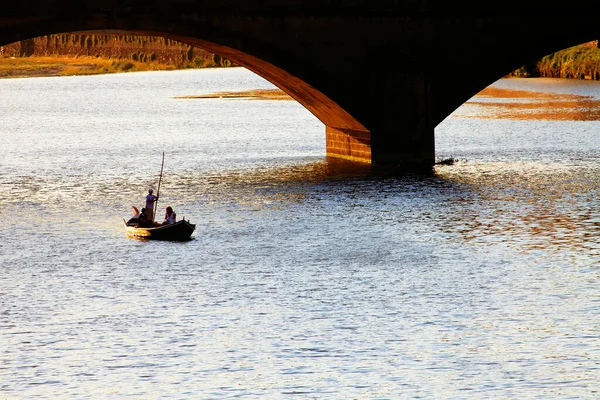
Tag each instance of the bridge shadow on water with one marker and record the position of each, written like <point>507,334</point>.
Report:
<point>331,168</point>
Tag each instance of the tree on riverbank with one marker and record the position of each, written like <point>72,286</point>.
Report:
<point>577,62</point>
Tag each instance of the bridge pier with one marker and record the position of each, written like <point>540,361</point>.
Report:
<point>412,155</point>
<point>400,117</point>
<point>348,144</point>
<point>403,136</point>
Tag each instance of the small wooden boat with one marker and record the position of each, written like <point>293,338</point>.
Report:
<point>180,230</point>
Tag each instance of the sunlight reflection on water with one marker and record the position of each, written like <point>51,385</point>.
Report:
<point>306,277</point>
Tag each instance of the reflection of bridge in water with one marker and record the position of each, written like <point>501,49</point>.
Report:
<point>379,76</point>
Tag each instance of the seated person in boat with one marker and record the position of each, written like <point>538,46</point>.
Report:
<point>134,219</point>
<point>143,220</point>
<point>170,216</point>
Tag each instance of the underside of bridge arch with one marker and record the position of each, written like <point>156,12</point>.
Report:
<point>345,136</point>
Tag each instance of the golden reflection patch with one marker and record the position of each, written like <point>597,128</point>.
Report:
<point>523,104</point>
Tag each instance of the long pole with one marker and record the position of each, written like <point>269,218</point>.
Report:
<point>158,190</point>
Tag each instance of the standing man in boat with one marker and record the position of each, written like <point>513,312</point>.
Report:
<point>150,200</point>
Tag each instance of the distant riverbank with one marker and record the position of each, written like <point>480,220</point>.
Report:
<point>31,67</point>
<point>91,54</point>
<point>43,66</point>
<point>577,62</point>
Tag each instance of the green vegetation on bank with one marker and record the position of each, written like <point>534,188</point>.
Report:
<point>83,54</point>
<point>577,62</point>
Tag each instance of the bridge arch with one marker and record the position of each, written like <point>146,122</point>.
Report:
<point>346,137</point>
<point>380,75</point>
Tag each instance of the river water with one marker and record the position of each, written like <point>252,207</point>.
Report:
<point>306,278</point>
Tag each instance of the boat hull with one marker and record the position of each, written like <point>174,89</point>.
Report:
<point>180,230</point>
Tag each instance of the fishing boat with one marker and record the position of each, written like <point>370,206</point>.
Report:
<point>179,230</point>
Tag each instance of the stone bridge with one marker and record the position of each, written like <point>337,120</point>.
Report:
<point>380,74</point>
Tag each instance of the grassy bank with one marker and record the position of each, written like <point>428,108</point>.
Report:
<point>115,54</point>
<point>577,62</point>
<point>88,54</point>
<point>36,66</point>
